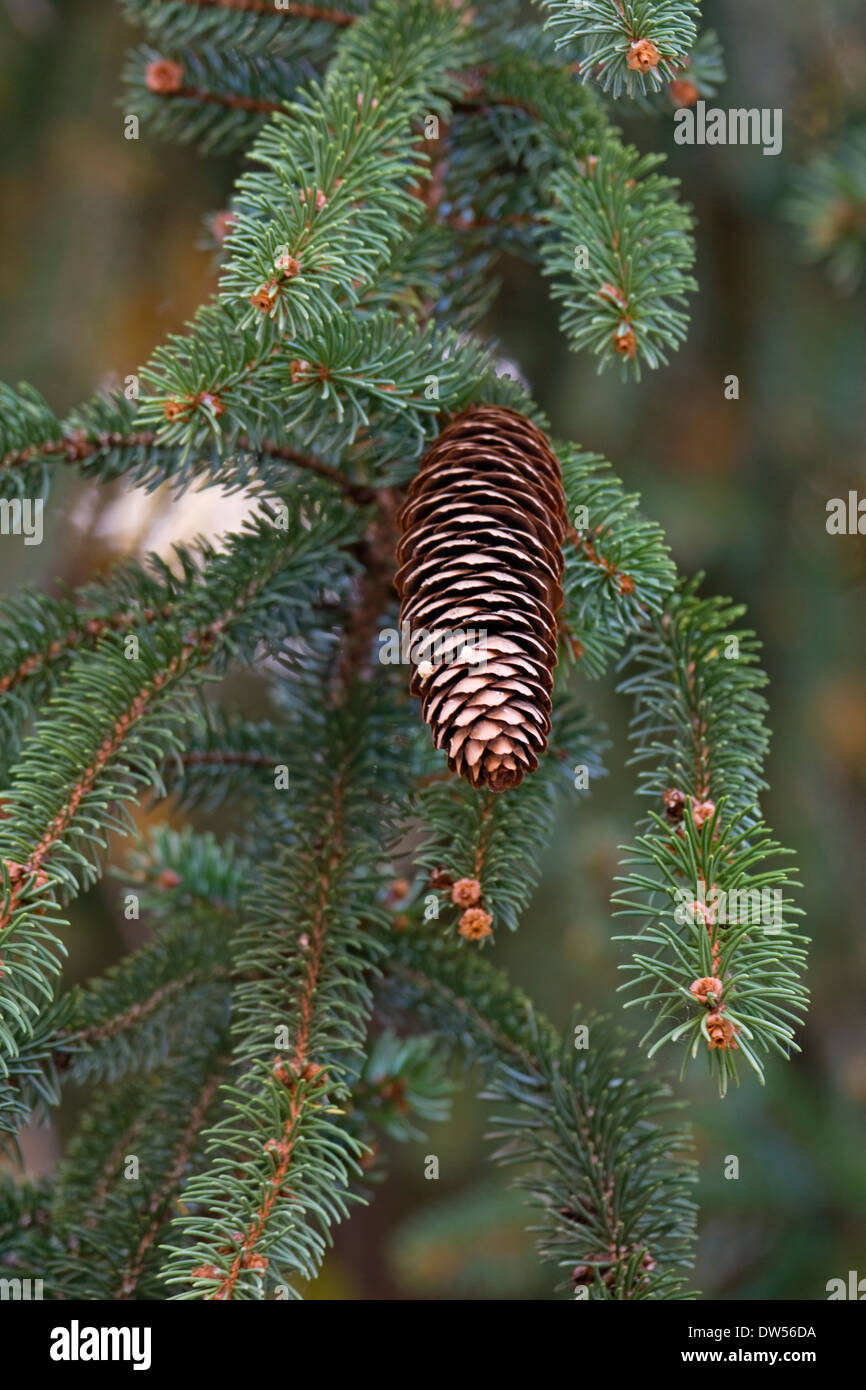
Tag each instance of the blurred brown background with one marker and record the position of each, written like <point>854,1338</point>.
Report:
<point>100,258</point>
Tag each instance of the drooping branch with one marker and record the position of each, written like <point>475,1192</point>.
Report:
<point>161,1196</point>
<point>116,718</point>
<point>614,1198</point>
<point>719,955</point>
<point>279,1167</point>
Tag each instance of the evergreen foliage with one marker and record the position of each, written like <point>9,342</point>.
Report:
<point>828,207</point>
<point>715,901</point>
<point>305,982</point>
<point>594,1138</point>
<point>627,46</point>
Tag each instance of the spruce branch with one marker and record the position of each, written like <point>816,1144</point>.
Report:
<point>215,99</point>
<point>336,191</point>
<point>621,257</point>
<point>373,380</point>
<point>827,205</point>
<point>253,27</point>
<point>125,1020</point>
<point>159,1207</point>
<point>485,849</point>
<point>404,1081</point>
<point>631,46</point>
<point>110,727</point>
<point>513,126</point>
<point>429,275</point>
<point>25,1231</point>
<point>205,89</point>
<point>699,77</point>
<point>31,1077</point>
<point>27,426</point>
<point>622,246</point>
<point>609,1170</point>
<point>524,80</point>
<point>98,438</point>
<point>723,974</point>
<point>40,635</point>
<point>397,148</point>
<point>617,566</point>
<point>126,1167</point>
<point>280,1166</point>
<point>229,757</point>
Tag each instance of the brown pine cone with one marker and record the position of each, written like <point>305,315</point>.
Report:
<point>481,552</point>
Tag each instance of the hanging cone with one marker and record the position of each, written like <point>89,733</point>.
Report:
<point>479,581</point>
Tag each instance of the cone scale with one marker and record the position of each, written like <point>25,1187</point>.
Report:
<point>479,579</point>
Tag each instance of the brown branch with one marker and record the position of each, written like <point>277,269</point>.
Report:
<point>357,491</point>
<point>482,101</point>
<point>485,830</point>
<point>107,750</point>
<point>375,586</point>
<point>160,1198</point>
<point>76,448</point>
<point>91,631</point>
<point>500,1040</point>
<point>584,543</point>
<point>446,775</point>
<point>437,153</point>
<point>516,219</point>
<point>322,13</point>
<point>233,100</point>
<point>299,1068</point>
<point>225,757</point>
<point>109,1171</point>
<point>119,1023</point>
<point>196,649</point>
<point>700,733</point>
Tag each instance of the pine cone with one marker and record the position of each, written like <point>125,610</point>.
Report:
<point>481,552</point>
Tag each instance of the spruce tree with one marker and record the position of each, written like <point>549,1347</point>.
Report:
<point>309,978</point>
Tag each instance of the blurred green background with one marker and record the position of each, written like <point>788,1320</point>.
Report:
<point>100,257</point>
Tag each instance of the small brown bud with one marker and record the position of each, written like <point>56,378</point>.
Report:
<point>643,55</point>
<point>466,892</point>
<point>221,224</point>
<point>264,298</point>
<point>164,76</point>
<point>287,265</point>
<point>613,292</point>
<point>722,1033</point>
<point>625,342</point>
<point>707,988</point>
<point>683,93</point>
<point>299,370</point>
<point>475,924</point>
<point>400,889</point>
<point>702,811</point>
